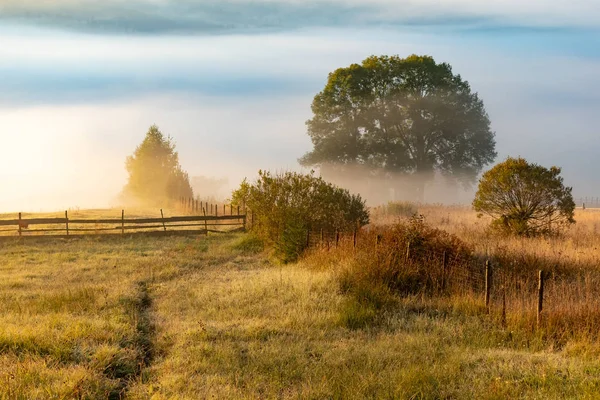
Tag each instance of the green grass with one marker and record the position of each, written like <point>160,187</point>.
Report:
<point>197,317</point>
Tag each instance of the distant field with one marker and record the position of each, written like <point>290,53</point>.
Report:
<point>214,317</point>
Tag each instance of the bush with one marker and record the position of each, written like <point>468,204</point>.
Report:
<point>421,270</point>
<point>286,206</point>
<point>524,198</point>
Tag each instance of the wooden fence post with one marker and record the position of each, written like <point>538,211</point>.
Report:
<point>20,225</point>
<point>308,238</point>
<point>503,320</point>
<point>488,284</point>
<point>122,222</point>
<point>230,209</point>
<point>238,210</point>
<point>540,303</point>
<point>67,222</point>
<point>337,238</point>
<point>444,268</point>
<point>354,237</point>
<point>205,221</point>
<point>224,212</point>
<point>162,216</point>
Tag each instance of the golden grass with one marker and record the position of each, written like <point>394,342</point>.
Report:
<point>196,317</point>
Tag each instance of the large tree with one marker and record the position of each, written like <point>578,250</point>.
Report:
<point>395,115</point>
<point>155,175</point>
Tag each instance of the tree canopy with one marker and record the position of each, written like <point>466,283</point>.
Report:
<point>155,175</point>
<point>397,115</point>
<point>525,198</point>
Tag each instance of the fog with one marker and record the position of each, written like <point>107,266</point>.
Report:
<point>73,105</point>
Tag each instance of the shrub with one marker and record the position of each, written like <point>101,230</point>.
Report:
<point>408,259</point>
<point>524,198</point>
<point>287,205</point>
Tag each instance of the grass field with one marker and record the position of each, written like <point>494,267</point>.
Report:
<point>197,317</point>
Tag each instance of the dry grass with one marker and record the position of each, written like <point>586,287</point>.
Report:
<point>198,317</point>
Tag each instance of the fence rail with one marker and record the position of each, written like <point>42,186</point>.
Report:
<point>23,226</point>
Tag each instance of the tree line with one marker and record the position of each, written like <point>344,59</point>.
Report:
<point>393,116</point>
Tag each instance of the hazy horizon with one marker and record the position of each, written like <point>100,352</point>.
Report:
<point>83,82</point>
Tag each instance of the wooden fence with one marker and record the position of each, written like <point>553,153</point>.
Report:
<point>67,226</point>
<point>197,206</point>
<point>588,202</point>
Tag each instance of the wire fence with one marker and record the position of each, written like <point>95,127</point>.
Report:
<point>514,294</point>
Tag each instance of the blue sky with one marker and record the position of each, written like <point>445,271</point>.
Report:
<point>232,81</point>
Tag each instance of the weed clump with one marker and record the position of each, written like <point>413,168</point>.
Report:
<point>409,258</point>
<point>249,244</point>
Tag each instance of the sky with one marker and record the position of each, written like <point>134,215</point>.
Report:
<point>232,81</point>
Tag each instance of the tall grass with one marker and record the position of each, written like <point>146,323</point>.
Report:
<point>406,258</point>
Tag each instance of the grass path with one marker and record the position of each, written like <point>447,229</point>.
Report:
<point>191,318</point>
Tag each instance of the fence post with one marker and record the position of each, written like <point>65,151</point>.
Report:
<point>230,209</point>
<point>163,220</point>
<point>308,238</point>
<point>238,210</point>
<point>488,284</point>
<point>444,268</point>
<point>205,221</point>
<point>407,252</point>
<point>224,212</point>
<point>540,297</point>
<point>337,238</point>
<point>503,320</point>
<point>67,222</point>
<point>354,237</point>
<point>122,222</point>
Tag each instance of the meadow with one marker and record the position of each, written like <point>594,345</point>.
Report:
<point>217,317</point>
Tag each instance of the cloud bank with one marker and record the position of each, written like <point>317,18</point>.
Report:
<point>219,17</point>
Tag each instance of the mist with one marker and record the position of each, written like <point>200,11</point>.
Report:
<point>73,106</point>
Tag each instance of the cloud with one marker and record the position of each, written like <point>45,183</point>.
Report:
<point>219,17</point>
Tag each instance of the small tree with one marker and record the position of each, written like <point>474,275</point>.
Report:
<point>287,205</point>
<point>525,198</point>
<point>155,175</point>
